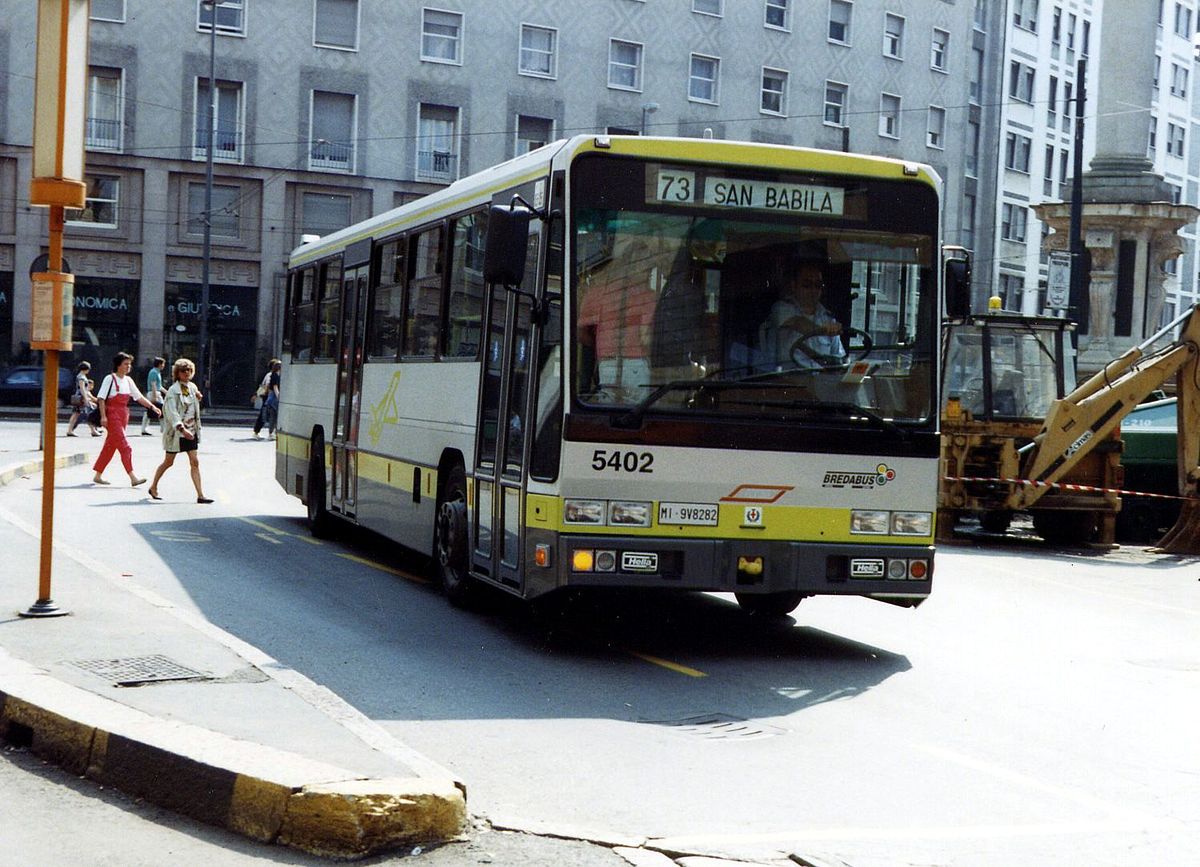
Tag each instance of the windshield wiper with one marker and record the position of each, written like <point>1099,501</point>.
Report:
<point>853,409</point>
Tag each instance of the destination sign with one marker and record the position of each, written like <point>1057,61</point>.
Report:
<point>685,188</point>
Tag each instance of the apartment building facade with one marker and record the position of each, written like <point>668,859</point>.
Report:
<point>1043,44</point>
<point>329,111</point>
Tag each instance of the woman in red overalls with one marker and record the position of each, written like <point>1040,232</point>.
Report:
<point>115,393</point>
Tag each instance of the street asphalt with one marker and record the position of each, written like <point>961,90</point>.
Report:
<point>103,691</point>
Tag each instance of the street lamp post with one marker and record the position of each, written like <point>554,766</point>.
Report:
<point>202,354</point>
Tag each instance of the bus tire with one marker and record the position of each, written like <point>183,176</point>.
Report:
<point>450,540</point>
<point>318,515</point>
<point>769,604</point>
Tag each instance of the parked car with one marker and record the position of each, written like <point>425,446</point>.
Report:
<point>1150,463</point>
<point>22,386</point>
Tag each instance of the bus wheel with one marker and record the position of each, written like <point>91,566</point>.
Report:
<point>769,604</point>
<point>450,542</point>
<point>318,515</point>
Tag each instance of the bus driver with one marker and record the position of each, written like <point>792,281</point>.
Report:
<point>797,313</point>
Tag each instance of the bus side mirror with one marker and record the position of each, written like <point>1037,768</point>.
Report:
<point>957,286</point>
<point>507,243</point>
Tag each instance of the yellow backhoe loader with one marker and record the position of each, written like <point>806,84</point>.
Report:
<point>1018,435</point>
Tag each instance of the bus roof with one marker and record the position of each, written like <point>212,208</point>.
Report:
<point>535,164</point>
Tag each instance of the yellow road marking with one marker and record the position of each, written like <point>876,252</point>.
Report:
<point>267,537</point>
<point>666,663</point>
<point>382,568</point>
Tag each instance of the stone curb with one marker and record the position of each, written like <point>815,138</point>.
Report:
<point>264,793</point>
<point>12,473</point>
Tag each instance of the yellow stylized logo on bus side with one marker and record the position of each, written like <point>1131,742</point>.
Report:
<point>385,411</point>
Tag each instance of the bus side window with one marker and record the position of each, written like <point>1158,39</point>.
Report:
<point>303,311</point>
<point>422,322</point>
<point>329,310</point>
<point>387,313</point>
<point>464,310</point>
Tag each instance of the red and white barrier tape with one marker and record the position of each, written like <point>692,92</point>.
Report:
<point>1064,486</point>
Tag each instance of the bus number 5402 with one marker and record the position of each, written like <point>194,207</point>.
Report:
<point>629,462</point>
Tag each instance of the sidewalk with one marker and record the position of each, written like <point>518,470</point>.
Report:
<point>137,693</point>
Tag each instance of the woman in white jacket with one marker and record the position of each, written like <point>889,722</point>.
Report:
<point>181,426</point>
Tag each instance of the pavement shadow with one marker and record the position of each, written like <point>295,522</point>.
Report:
<point>342,613</point>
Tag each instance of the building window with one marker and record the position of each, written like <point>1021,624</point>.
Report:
<point>108,10</point>
<point>1016,152</point>
<point>1052,103</point>
<point>778,15</point>
<point>624,65</point>
<point>774,91</point>
<point>889,115</point>
<point>228,121</point>
<point>1183,21</point>
<point>1179,80</point>
<point>975,89</point>
<point>222,217</point>
<point>967,231</point>
<point>704,78</point>
<point>1048,172</point>
<point>839,21</point>
<point>1012,222</point>
<point>231,16</point>
<point>104,109</point>
<point>1068,90</point>
<point>936,137</point>
<point>971,166</point>
<point>539,51</point>
<point>893,36</point>
<point>1056,26</point>
<point>335,24</point>
<point>1072,23</point>
<point>1085,42</point>
<point>938,49</point>
<point>323,213</point>
<point>1157,73</point>
<point>1020,81</point>
<point>533,133</point>
<point>331,140</point>
<point>100,206</point>
<point>1011,289</point>
<point>835,103</point>
<point>1153,142</point>
<point>441,36</point>
<point>437,143</point>
<point>709,7</point>
<point>1175,140</point>
<point>1025,14</point>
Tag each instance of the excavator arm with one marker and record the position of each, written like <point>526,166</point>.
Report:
<point>1086,416</point>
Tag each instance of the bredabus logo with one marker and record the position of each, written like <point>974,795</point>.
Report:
<point>857,479</point>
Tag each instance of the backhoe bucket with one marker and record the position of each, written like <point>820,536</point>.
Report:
<point>1184,537</point>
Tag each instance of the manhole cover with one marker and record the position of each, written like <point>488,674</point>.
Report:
<point>136,670</point>
<point>720,727</point>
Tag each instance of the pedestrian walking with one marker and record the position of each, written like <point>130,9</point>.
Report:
<point>117,389</point>
<point>260,397</point>
<point>154,391</point>
<point>82,401</point>
<point>272,401</point>
<point>181,426</point>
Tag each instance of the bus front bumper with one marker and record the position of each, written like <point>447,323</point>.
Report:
<point>900,574</point>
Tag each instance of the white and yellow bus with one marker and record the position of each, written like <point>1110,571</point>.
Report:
<point>592,366</point>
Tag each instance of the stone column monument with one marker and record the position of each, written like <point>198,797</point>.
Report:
<point>1130,226</point>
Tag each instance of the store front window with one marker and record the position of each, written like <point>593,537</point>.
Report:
<point>106,318</point>
<point>233,315</point>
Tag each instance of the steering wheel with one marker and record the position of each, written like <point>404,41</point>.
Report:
<point>863,349</point>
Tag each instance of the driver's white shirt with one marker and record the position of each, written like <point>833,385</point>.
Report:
<point>775,339</point>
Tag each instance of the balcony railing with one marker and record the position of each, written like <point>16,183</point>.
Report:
<point>228,149</point>
<point>331,156</point>
<point>437,165</point>
<point>102,133</point>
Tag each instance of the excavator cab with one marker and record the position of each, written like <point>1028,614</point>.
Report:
<point>1005,366</point>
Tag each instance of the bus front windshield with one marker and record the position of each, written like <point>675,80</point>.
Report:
<point>683,310</point>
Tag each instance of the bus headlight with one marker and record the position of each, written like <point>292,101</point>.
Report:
<point>869,521</point>
<point>627,514</point>
<point>912,523</point>
<point>583,511</point>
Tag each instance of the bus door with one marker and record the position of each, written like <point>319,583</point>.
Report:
<point>347,400</point>
<point>500,471</point>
